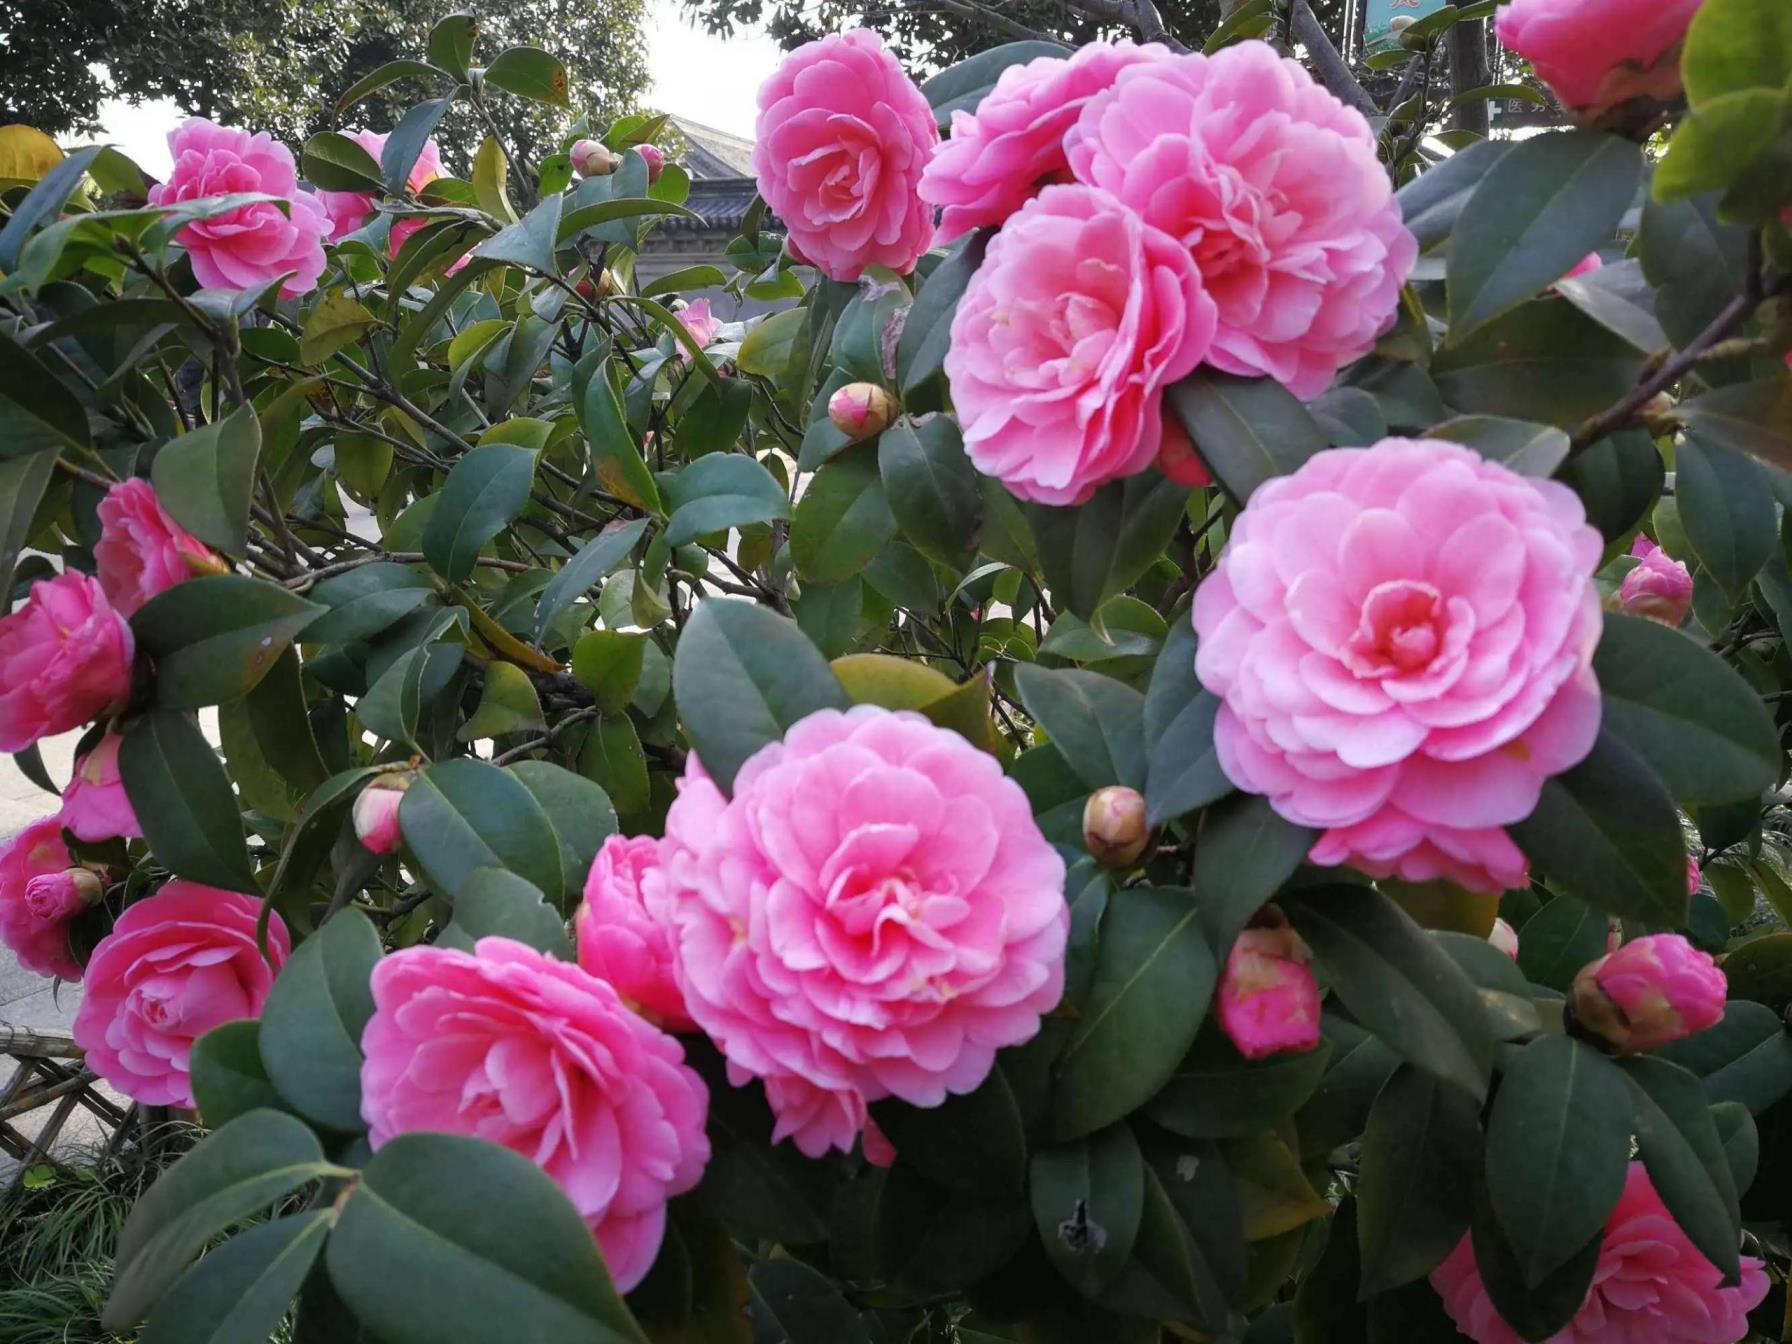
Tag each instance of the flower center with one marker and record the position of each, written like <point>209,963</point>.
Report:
<point>1401,629</point>
<point>155,1008</point>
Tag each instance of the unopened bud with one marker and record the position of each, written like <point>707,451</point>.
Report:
<point>376,812</point>
<point>592,158</point>
<point>57,896</point>
<point>1505,938</point>
<point>1176,456</point>
<point>205,564</point>
<point>1268,1000</point>
<point>656,161</point>
<point>1114,826</point>
<point>1652,990</point>
<point>861,410</point>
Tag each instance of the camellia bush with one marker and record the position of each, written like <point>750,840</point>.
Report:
<point>1183,739</point>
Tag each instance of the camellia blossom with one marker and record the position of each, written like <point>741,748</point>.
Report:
<point>348,210</point>
<point>176,964</point>
<point>1079,317</point>
<point>65,658</point>
<point>702,324</point>
<point>842,137</point>
<point>375,813</point>
<point>1650,991</point>
<point>1585,266</point>
<point>252,244</point>
<point>1268,1000</point>
<point>1660,587</point>
<point>514,1047</point>
<point>35,928</point>
<point>875,913</point>
<point>1580,47</point>
<point>999,156</point>
<point>1274,187</point>
<point>142,551</point>
<point>1694,878</point>
<point>1651,1286</point>
<point>621,940</point>
<point>1402,638</point>
<point>94,805</point>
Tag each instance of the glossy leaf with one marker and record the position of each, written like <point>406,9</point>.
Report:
<point>1088,1198</point>
<point>228,1076</point>
<point>1247,430</point>
<point>1421,1164</point>
<point>205,479</point>
<point>244,1288</point>
<point>486,490</point>
<point>933,489</point>
<point>182,797</point>
<point>720,491</point>
<point>1097,722</point>
<point>1183,770</point>
<point>1095,550</point>
<point>843,518</point>
<point>1679,1144</point>
<point>311,1023</point>
<point>214,638</point>
<point>460,816</point>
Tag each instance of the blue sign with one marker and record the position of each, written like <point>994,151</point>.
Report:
<point>1379,29</point>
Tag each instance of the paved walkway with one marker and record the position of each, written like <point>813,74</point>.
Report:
<point>27,999</point>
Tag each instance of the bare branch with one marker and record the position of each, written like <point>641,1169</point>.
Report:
<point>1328,65</point>
<point>1141,15</point>
<point>969,9</point>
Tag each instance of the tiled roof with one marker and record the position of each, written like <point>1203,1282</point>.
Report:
<point>721,204</point>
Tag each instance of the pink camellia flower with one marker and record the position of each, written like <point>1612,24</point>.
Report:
<point>622,940</point>
<point>842,137</point>
<point>348,210</point>
<point>1651,1287</point>
<point>252,244</point>
<point>1660,587</point>
<point>1402,636</point>
<point>516,1048</point>
<point>874,914</point>
<point>376,813</point>
<point>1591,52</point>
<point>1078,318</point>
<point>142,551</point>
<point>1585,266</point>
<point>1505,938</point>
<point>176,964</point>
<point>94,805</point>
<point>35,926</point>
<point>1267,998</point>
<point>65,658</point>
<point>1694,878</point>
<point>702,324</point>
<point>1274,186</point>
<point>998,157</point>
<point>655,158</point>
<point>1177,459</point>
<point>1652,990</point>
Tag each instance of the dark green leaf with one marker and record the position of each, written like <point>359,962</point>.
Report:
<point>450,44</point>
<point>228,1077</point>
<point>1421,1165</point>
<point>365,601</point>
<point>1747,1057</point>
<point>1245,851</point>
<point>1679,1145</point>
<point>963,85</point>
<point>1618,298</point>
<point>275,712</point>
<point>244,1288</point>
<point>803,1305</point>
<point>1153,976</point>
<point>205,478</point>
<point>463,815</point>
<point>312,1021</point>
<point>1088,1198</point>
<point>1544,360</point>
<point>1696,263</point>
<point>1558,1147</point>
<point>1618,479</point>
<point>1727,509</point>
<point>843,518</point>
<point>1097,722</point>
<point>1606,831</point>
<point>1091,552</point>
<point>926,334</point>
<point>1434,200</point>
<point>1741,1142</point>
<point>934,490</point>
<point>1216,1093</point>
<point>394,704</point>
<point>580,811</point>
<point>1535,1310</point>
<point>1523,445</point>
<point>615,456</point>
<point>1396,981</point>
<point>528,242</point>
<point>1701,727</point>
<point>612,759</point>
<point>450,1240</point>
<point>333,162</point>
<point>1247,430</point>
<point>1183,771</point>
<point>1536,212</point>
<point>973,1143</point>
<point>406,143</point>
<point>598,558</point>
<point>183,800</point>
<point>494,903</point>
<point>1559,939</point>
<point>719,491</point>
<point>214,638</point>
<point>715,421</point>
<point>234,1172</point>
<point>1754,417</point>
<point>743,675</point>
<point>530,72</point>
<point>486,490</point>
<point>22,483</point>
<point>389,73</point>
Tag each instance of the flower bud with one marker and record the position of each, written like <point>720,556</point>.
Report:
<point>592,158</point>
<point>1505,938</point>
<point>1268,1001</point>
<point>376,813</point>
<point>861,410</point>
<point>1652,990</point>
<point>206,565</point>
<point>1114,826</point>
<point>53,896</point>
<point>1176,456</point>
<point>656,161</point>
<point>1659,588</point>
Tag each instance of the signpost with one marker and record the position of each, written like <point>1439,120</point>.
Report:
<point>1378,32</point>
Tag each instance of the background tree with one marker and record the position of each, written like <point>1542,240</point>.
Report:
<point>280,65</point>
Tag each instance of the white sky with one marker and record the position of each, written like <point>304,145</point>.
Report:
<point>704,78</point>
